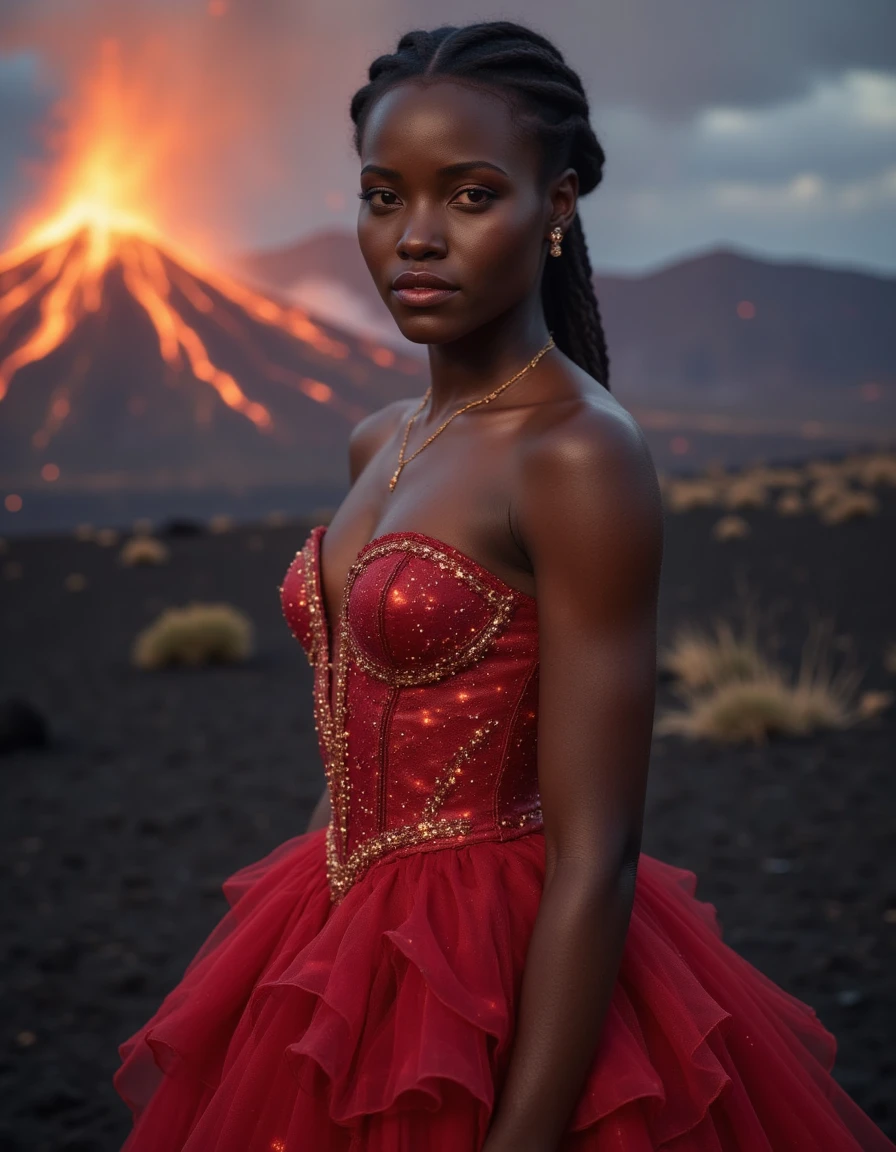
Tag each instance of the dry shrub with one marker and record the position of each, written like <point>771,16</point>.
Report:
<point>700,660</point>
<point>825,492</point>
<point>220,524</point>
<point>84,532</point>
<point>873,703</point>
<point>877,468</point>
<point>850,506</point>
<point>275,519</point>
<point>142,526</point>
<point>746,492</point>
<point>731,528</point>
<point>683,495</point>
<point>75,582</point>
<point>143,550</point>
<point>106,537</point>
<point>195,635</point>
<point>770,702</point>
<point>790,503</point>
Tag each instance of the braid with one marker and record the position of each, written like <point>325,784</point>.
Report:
<point>553,105</point>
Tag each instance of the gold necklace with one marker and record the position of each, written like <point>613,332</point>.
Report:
<point>472,404</point>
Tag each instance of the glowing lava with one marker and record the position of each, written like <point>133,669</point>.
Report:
<point>103,220</point>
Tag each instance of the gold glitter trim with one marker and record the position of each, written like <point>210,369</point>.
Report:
<point>309,579</point>
<point>503,605</point>
<point>342,874</point>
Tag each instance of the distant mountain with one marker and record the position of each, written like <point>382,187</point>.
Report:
<point>754,342</point>
<point>729,333</point>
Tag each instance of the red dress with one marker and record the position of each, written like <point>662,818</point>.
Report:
<point>361,991</point>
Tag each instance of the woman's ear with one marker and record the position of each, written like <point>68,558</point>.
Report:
<point>563,195</point>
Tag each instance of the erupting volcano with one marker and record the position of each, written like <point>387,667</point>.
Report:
<point>125,359</point>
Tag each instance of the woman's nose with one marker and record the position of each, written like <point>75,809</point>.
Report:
<point>421,241</point>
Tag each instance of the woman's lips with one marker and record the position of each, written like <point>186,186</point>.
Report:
<point>423,297</point>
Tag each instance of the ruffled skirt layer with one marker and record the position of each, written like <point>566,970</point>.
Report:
<point>384,1023</point>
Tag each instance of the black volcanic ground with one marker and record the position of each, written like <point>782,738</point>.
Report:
<point>158,786</point>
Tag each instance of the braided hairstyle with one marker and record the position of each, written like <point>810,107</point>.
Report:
<point>551,103</point>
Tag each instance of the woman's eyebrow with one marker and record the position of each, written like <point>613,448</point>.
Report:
<point>448,170</point>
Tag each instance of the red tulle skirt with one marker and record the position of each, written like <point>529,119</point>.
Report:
<point>384,1023</point>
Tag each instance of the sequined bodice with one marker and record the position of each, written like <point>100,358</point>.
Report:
<point>427,720</point>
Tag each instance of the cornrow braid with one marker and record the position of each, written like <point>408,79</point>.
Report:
<point>552,104</point>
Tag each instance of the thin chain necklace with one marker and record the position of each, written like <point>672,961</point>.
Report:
<point>472,404</point>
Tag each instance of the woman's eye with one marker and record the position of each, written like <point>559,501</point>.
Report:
<point>387,198</point>
<point>475,196</point>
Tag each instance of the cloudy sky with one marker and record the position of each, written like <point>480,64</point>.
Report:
<point>770,126</point>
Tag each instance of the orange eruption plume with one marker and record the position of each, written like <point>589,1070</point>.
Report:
<point>102,218</point>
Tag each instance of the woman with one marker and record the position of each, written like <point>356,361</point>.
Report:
<point>467,949</point>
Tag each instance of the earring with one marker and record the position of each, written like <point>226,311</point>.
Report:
<point>556,237</point>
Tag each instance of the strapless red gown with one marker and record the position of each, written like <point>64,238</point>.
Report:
<point>361,991</point>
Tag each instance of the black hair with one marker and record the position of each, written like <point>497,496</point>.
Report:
<point>551,102</point>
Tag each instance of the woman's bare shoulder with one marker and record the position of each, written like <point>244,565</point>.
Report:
<point>585,472</point>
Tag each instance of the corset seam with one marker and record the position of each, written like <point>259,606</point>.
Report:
<point>389,710</point>
<point>381,606</point>
<point>507,735</point>
<point>385,734</point>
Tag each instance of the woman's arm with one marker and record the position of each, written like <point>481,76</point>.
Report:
<point>590,517</point>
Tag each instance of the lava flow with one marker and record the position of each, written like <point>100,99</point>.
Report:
<point>101,224</point>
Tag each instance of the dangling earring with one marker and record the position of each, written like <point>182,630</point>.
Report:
<point>556,237</point>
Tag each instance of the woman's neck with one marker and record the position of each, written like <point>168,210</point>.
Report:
<point>470,368</point>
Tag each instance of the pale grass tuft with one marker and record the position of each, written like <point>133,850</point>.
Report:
<point>739,711</point>
<point>874,703</point>
<point>850,506</point>
<point>684,495</point>
<point>790,503</point>
<point>731,528</point>
<point>699,660</point>
<point>195,635</point>
<point>143,550</point>
<point>767,703</point>
<point>825,492</point>
<point>878,468</point>
<point>106,537</point>
<point>746,492</point>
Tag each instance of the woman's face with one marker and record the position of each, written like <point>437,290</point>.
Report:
<point>449,191</point>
